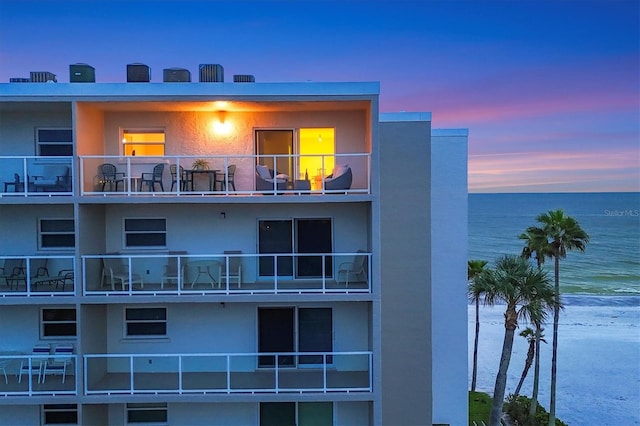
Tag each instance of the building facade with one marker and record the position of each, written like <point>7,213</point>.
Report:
<point>229,253</point>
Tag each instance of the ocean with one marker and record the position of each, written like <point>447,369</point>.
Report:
<point>609,266</point>
<point>599,329</point>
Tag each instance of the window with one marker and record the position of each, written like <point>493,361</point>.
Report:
<point>145,322</point>
<point>58,322</point>
<point>54,142</point>
<point>296,413</point>
<point>149,142</point>
<point>56,234</point>
<point>60,414</point>
<point>144,413</point>
<point>145,233</point>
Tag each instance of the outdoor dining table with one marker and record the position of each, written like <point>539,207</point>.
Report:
<point>211,173</point>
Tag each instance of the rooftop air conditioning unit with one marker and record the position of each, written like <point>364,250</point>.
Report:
<point>211,73</point>
<point>176,75</point>
<point>244,78</point>
<point>82,73</point>
<point>138,73</point>
<point>19,80</point>
<point>42,77</point>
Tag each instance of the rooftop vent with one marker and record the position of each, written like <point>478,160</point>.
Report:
<point>82,73</point>
<point>42,77</point>
<point>138,73</point>
<point>176,75</point>
<point>244,78</point>
<point>211,73</point>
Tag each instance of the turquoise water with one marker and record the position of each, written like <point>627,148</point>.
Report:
<point>609,266</point>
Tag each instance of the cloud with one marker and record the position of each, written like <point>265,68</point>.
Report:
<point>555,171</point>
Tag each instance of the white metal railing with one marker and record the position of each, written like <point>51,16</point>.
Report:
<point>227,274</point>
<point>24,374</point>
<point>28,276</point>
<point>134,175</point>
<point>36,175</point>
<point>205,373</point>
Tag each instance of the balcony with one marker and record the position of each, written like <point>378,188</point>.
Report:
<point>36,176</point>
<point>134,176</point>
<point>228,373</point>
<point>30,276</point>
<point>26,375</point>
<point>227,274</point>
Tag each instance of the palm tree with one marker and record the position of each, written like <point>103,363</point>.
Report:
<point>556,234</point>
<point>474,268</point>
<point>524,289</point>
<point>529,334</point>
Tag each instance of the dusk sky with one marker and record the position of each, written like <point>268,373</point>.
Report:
<point>549,90</point>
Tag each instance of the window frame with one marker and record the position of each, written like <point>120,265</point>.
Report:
<point>126,233</point>
<point>41,234</point>
<point>126,322</point>
<point>44,323</point>
<point>40,143</point>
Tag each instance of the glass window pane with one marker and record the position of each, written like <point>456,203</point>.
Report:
<point>146,240</point>
<point>55,135</point>
<point>52,241</point>
<point>58,314</point>
<point>146,314</point>
<point>145,225</point>
<point>56,225</point>
<point>56,150</point>
<point>146,329</point>
<point>61,329</point>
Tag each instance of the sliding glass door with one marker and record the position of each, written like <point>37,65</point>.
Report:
<point>300,236</point>
<point>277,333</point>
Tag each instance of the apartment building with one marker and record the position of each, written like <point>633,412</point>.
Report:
<point>229,253</point>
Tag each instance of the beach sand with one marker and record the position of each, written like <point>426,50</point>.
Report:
<point>598,360</point>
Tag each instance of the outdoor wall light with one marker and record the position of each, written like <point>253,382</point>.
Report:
<point>223,215</point>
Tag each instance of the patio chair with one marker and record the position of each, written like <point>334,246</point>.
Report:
<point>355,271</point>
<point>40,353</point>
<point>114,271</point>
<point>11,269</point>
<point>108,174</point>
<point>52,178</point>
<point>171,271</point>
<point>185,178</point>
<point>222,179</point>
<point>235,268</point>
<point>265,179</point>
<point>58,364</point>
<point>64,276</point>
<point>340,178</point>
<point>153,178</point>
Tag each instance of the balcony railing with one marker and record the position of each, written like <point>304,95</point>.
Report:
<point>223,175</point>
<point>34,175</point>
<point>28,276</point>
<point>227,274</point>
<point>295,372</point>
<point>22,374</point>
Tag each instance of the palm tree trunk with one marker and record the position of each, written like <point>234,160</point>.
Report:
<point>475,348</point>
<point>527,365</point>
<point>536,374</point>
<point>505,358</point>
<point>554,356</point>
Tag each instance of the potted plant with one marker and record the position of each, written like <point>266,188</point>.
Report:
<point>200,164</point>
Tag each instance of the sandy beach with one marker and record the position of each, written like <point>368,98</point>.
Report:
<point>598,359</point>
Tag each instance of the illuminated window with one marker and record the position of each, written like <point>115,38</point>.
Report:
<point>149,142</point>
<point>316,149</point>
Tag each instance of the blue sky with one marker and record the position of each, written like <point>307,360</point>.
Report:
<point>550,90</point>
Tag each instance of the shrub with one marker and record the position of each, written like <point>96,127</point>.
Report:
<point>518,410</point>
